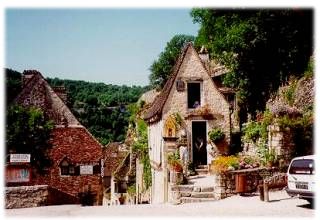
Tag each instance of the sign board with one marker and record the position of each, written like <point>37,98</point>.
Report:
<point>17,175</point>
<point>102,168</point>
<point>19,158</point>
<point>265,173</point>
<point>86,169</point>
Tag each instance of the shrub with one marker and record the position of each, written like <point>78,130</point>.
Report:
<point>224,163</point>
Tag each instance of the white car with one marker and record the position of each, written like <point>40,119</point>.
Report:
<point>301,181</point>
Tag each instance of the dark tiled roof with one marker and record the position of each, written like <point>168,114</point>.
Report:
<point>113,157</point>
<point>124,168</point>
<point>156,108</point>
<point>38,93</point>
<point>227,90</point>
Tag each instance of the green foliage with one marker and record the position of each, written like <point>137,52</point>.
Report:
<point>101,108</point>
<point>216,135</point>
<point>301,129</point>
<point>290,91</point>
<point>260,47</point>
<point>140,147</point>
<point>310,69</point>
<point>28,132</point>
<point>132,190</point>
<point>161,68</point>
<point>13,84</point>
<point>266,155</point>
<point>178,119</point>
<point>254,130</point>
<point>258,130</point>
<point>105,110</point>
<point>147,176</point>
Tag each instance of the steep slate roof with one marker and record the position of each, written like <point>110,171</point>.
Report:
<point>158,103</point>
<point>69,135</point>
<point>37,92</point>
<point>113,157</point>
<point>154,112</point>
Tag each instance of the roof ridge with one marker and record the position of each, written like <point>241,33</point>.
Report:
<point>159,102</point>
<point>168,85</point>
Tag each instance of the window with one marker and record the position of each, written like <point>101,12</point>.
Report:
<point>194,95</point>
<point>302,167</point>
<point>67,169</point>
<point>71,170</point>
<point>64,167</point>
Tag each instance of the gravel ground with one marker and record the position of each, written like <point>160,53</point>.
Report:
<point>281,205</point>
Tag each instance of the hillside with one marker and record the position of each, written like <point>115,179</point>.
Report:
<point>100,107</point>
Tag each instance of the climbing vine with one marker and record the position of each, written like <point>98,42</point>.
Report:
<point>140,146</point>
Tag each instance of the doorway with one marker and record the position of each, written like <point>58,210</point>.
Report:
<point>199,142</point>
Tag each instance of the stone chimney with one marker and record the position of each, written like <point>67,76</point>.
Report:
<point>27,75</point>
<point>61,92</point>
<point>204,56</point>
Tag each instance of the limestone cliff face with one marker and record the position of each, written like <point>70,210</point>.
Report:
<point>296,97</point>
<point>304,93</point>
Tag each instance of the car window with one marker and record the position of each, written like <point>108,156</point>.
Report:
<point>305,167</point>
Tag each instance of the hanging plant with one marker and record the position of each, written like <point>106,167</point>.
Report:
<point>216,135</point>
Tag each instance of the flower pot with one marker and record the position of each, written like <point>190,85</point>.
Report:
<point>176,177</point>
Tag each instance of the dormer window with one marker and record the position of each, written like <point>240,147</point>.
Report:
<point>194,95</point>
<point>66,168</point>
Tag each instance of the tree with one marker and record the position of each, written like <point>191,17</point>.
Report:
<point>13,84</point>
<point>161,68</point>
<point>261,48</point>
<point>28,132</point>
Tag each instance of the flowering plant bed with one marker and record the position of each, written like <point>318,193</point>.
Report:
<point>223,164</point>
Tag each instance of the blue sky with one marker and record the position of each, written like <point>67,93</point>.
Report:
<point>115,46</point>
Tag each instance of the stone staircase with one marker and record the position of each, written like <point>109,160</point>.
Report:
<point>199,189</point>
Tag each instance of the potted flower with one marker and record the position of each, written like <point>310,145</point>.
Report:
<point>175,168</point>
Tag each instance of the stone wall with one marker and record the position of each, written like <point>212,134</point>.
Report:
<point>225,183</point>
<point>282,142</point>
<point>26,196</point>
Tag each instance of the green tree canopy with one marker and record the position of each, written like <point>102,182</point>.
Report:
<point>262,48</point>
<point>28,132</point>
<point>161,68</point>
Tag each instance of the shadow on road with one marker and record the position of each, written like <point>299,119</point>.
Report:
<point>306,206</point>
<point>278,200</point>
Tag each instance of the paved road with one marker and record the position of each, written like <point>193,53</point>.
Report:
<point>281,205</point>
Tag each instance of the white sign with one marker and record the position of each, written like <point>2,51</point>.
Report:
<point>19,158</point>
<point>86,169</point>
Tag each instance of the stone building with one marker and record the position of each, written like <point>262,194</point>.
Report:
<point>75,153</point>
<point>188,107</point>
<point>115,155</point>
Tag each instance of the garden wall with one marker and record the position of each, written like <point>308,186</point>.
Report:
<point>34,196</point>
<point>225,183</point>
<point>26,196</point>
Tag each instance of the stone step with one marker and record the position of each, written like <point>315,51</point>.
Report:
<point>202,195</point>
<point>188,189</point>
<point>203,167</point>
<point>202,171</point>
<point>193,200</point>
<point>182,188</point>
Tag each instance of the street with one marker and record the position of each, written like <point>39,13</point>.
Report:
<point>280,205</point>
